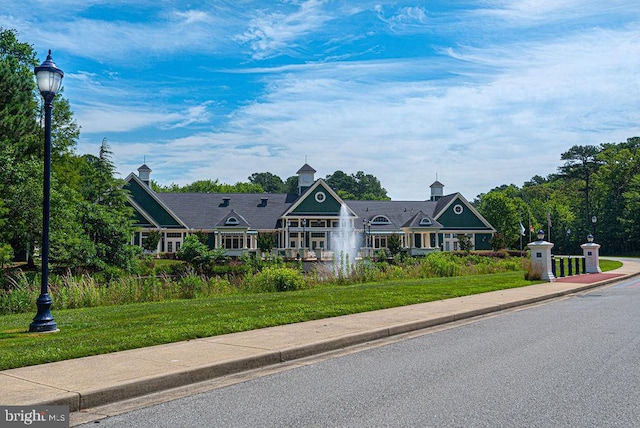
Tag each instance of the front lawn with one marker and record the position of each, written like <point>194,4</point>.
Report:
<point>99,330</point>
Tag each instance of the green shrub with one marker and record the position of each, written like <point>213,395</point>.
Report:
<point>190,286</point>
<point>276,279</point>
<point>440,264</point>
<point>382,255</point>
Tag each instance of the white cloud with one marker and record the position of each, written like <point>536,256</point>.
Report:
<point>511,86</point>
<point>106,118</point>
<point>506,122</point>
<point>276,32</point>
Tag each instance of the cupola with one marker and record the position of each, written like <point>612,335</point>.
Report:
<point>144,174</point>
<point>437,190</point>
<point>306,177</point>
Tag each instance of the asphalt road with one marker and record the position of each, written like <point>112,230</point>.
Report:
<point>573,362</point>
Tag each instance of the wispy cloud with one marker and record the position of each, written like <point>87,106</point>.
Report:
<point>482,93</point>
<point>275,33</point>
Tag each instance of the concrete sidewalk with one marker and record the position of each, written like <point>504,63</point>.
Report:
<point>99,380</point>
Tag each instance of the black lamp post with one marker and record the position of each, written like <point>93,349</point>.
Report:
<point>568,239</point>
<point>49,77</point>
<point>304,233</point>
<point>364,232</point>
<point>594,220</point>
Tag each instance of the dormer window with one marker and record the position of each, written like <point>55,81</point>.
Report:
<point>380,219</point>
<point>231,221</point>
<point>425,221</point>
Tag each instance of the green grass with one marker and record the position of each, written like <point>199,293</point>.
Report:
<point>100,330</point>
<point>104,329</point>
<point>606,265</point>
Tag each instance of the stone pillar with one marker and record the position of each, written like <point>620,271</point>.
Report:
<point>541,259</point>
<point>591,257</point>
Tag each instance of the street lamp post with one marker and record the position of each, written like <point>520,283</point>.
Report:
<point>594,220</point>
<point>364,232</point>
<point>568,239</point>
<point>49,77</point>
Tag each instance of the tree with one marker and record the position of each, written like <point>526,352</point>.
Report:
<point>265,242</point>
<point>209,186</point>
<point>151,241</point>
<point>195,253</point>
<point>359,186</point>
<point>20,145</point>
<point>269,182</point>
<point>394,244</point>
<point>369,187</point>
<point>6,255</point>
<point>614,195</point>
<point>502,213</point>
<point>343,184</point>
<point>581,163</point>
<point>465,243</point>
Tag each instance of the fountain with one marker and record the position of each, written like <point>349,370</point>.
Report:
<point>345,241</point>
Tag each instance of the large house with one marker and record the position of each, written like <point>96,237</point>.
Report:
<point>303,224</point>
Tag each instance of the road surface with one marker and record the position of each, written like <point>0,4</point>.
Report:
<point>573,362</point>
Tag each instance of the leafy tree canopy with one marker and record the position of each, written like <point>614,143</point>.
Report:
<point>269,182</point>
<point>359,186</point>
<point>208,186</point>
<point>600,183</point>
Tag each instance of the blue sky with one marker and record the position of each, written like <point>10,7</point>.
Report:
<point>478,93</point>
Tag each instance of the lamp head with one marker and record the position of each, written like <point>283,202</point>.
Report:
<point>590,238</point>
<point>49,77</point>
<point>540,235</point>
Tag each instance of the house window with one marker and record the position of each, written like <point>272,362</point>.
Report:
<point>458,209</point>
<point>425,221</point>
<point>170,247</point>
<point>232,220</point>
<point>380,219</point>
<point>321,197</point>
<point>233,242</point>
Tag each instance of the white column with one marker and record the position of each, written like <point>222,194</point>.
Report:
<point>541,259</point>
<point>591,257</point>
